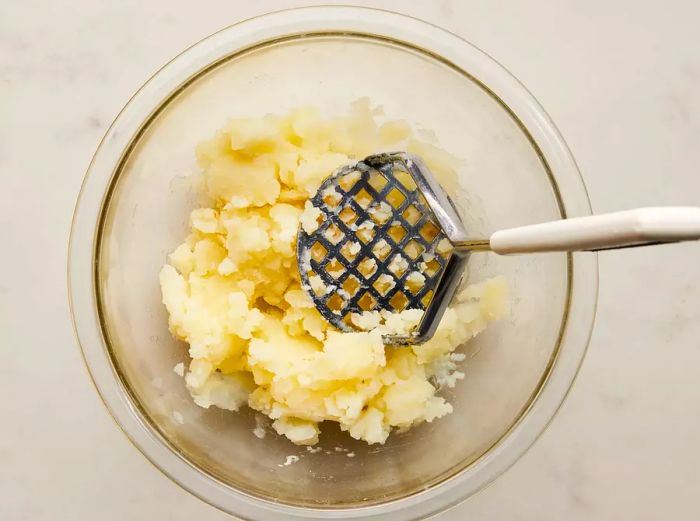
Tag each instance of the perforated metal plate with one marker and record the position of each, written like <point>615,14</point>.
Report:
<point>368,212</point>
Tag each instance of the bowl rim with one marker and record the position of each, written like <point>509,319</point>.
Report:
<point>568,185</point>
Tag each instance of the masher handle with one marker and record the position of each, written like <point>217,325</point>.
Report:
<point>630,228</point>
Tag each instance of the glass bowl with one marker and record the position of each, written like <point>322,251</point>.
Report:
<point>133,210</point>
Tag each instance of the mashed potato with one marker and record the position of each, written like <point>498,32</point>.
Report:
<point>233,294</point>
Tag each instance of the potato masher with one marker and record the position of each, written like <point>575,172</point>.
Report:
<point>388,237</point>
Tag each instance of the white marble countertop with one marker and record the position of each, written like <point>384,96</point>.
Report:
<point>622,81</point>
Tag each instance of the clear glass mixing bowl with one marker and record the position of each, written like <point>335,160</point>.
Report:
<point>133,210</point>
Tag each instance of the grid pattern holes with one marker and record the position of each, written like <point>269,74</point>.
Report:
<point>335,268</point>
<point>395,198</point>
<point>432,267</point>
<point>365,232</point>
<point>377,181</point>
<point>350,249</point>
<point>405,179</point>
<point>429,231</point>
<point>363,198</point>
<point>336,303</point>
<point>351,285</point>
<point>381,213</point>
<point>413,249</point>
<point>381,249</point>
<point>367,267</point>
<point>348,180</point>
<point>384,283</point>
<point>399,301</point>
<point>367,302</point>
<point>398,265</point>
<point>412,215</point>
<point>333,234</point>
<point>331,197</point>
<point>347,215</point>
<point>377,246</point>
<point>397,233</point>
<point>318,252</point>
<point>415,282</point>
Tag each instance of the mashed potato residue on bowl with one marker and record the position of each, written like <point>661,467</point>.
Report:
<point>233,294</point>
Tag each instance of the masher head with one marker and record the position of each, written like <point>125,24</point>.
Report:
<point>384,242</point>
